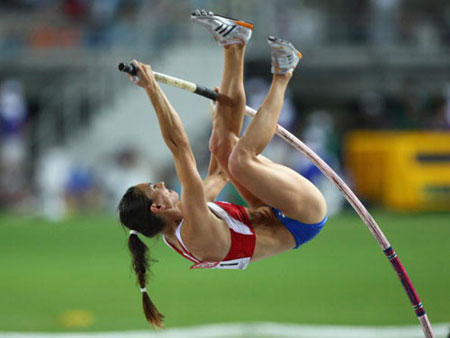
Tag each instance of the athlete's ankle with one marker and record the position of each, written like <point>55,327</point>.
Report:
<point>234,52</point>
<point>283,77</point>
<point>235,46</point>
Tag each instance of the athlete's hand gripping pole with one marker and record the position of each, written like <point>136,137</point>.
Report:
<point>173,81</point>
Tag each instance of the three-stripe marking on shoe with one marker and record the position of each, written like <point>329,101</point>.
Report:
<point>225,29</point>
<point>230,30</point>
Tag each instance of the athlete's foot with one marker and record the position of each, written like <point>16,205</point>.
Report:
<point>226,31</point>
<point>284,55</point>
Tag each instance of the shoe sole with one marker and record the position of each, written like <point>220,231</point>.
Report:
<point>285,43</point>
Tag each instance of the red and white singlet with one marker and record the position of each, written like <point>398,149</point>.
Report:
<point>242,238</point>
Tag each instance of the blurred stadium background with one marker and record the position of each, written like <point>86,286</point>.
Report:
<point>371,97</point>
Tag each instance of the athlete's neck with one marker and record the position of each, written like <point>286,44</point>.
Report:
<point>172,220</point>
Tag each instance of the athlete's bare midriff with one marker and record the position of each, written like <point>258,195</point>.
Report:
<point>272,237</point>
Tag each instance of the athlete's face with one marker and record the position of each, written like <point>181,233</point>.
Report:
<point>159,194</point>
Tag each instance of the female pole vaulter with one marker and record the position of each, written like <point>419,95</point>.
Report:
<point>284,210</point>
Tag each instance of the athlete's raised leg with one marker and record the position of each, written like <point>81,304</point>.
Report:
<point>274,184</point>
<point>233,35</point>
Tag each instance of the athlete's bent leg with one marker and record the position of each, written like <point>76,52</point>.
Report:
<point>274,184</point>
<point>228,117</point>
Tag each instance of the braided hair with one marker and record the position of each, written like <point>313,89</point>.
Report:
<point>135,214</point>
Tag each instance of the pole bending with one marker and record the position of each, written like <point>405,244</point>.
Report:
<point>212,23</point>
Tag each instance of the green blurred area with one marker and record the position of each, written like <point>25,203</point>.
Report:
<point>341,277</point>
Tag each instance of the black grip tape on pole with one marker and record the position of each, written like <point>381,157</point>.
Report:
<point>128,68</point>
<point>206,92</point>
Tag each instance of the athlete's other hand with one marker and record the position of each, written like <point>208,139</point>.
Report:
<point>145,77</point>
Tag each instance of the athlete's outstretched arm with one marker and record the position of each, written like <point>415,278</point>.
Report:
<point>172,128</point>
<point>193,199</point>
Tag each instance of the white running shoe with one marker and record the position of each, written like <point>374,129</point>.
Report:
<point>226,31</point>
<point>283,54</point>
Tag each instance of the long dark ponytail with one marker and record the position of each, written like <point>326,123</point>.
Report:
<point>135,214</point>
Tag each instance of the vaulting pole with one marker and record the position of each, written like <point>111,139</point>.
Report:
<point>367,219</point>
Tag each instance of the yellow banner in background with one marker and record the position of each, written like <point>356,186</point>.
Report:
<point>403,171</point>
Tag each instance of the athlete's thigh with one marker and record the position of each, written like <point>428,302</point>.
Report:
<point>283,188</point>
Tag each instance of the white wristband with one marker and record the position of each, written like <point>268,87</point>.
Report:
<point>143,290</point>
<point>134,232</point>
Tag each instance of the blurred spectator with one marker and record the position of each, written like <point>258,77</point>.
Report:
<point>425,33</point>
<point>76,9</point>
<point>52,175</point>
<point>82,192</point>
<point>102,14</point>
<point>55,37</point>
<point>13,155</point>
<point>13,108</point>
<point>384,21</point>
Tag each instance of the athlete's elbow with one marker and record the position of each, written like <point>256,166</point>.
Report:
<point>177,144</point>
<point>221,147</point>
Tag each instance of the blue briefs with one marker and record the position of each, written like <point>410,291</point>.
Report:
<point>302,232</point>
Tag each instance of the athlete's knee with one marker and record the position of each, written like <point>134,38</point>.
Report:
<point>239,160</point>
<point>318,205</point>
<point>233,98</point>
<point>322,208</point>
<point>221,145</point>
